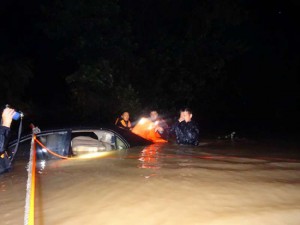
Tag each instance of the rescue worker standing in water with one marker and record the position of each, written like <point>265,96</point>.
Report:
<point>7,116</point>
<point>187,131</point>
<point>124,122</point>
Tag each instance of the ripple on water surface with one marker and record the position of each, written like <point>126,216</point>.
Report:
<point>160,184</point>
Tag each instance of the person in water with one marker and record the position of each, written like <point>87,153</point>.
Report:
<point>160,125</point>
<point>123,121</point>
<point>187,131</point>
<point>7,116</point>
<point>175,131</point>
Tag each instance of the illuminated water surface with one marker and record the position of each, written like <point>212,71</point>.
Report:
<point>217,183</point>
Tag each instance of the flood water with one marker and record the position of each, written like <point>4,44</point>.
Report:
<point>220,182</point>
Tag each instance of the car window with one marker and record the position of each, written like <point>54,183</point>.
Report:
<point>95,141</point>
<point>120,144</point>
<point>58,142</point>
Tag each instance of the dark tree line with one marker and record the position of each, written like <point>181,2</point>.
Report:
<point>87,61</point>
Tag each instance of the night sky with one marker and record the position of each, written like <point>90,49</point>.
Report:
<point>235,63</point>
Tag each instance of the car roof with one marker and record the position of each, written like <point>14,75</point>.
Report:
<point>129,137</point>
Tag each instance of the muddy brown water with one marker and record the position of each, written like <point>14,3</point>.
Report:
<point>220,182</point>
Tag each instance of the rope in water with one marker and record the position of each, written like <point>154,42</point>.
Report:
<point>30,189</point>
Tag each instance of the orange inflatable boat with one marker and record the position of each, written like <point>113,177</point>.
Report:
<point>146,129</point>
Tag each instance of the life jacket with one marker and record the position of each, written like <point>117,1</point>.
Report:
<point>120,122</point>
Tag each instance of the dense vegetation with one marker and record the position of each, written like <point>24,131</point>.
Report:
<point>63,61</point>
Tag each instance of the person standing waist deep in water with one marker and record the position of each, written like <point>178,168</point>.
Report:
<point>187,130</point>
<point>175,131</point>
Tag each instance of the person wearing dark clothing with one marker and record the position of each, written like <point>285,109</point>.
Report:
<point>187,131</point>
<point>7,116</point>
<point>4,133</point>
<point>175,132</point>
<point>124,122</point>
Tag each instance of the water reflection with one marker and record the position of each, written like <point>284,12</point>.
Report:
<point>226,187</point>
<point>149,157</point>
<point>42,165</point>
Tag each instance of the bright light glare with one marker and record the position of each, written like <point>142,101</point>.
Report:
<point>142,121</point>
<point>150,127</point>
<point>43,164</point>
<point>93,155</point>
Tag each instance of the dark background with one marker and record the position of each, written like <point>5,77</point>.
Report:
<point>78,62</point>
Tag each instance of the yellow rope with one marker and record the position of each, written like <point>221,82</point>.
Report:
<point>30,192</point>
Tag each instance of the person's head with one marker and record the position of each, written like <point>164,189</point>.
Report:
<point>181,115</point>
<point>125,116</point>
<point>153,115</point>
<point>187,114</point>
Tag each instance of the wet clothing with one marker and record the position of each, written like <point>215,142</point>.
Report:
<point>4,161</point>
<point>176,132</point>
<point>186,133</point>
<point>120,122</point>
<point>4,133</point>
<point>164,125</point>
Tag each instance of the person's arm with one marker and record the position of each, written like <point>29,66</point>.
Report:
<point>129,125</point>
<point>7,116</point>
<point>163,129</point>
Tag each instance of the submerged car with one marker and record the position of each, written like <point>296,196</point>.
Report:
<point>70,142</point>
